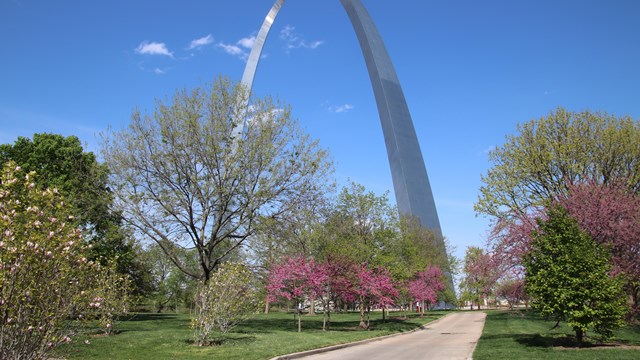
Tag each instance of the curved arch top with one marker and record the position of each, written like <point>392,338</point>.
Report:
<point>410,180</point>
<point>256,49</point>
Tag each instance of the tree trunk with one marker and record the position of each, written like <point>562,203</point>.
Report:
<point>266,304</point>
<point>362,325</point>
<point>422,309</point>
<point>368,315</point>
<point>326,321</point>
<point>299,312</point>
<point>579,335</point>
<point>312,306</point>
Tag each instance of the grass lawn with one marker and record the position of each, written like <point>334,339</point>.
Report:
<point>168,336</point>
<point>523,335</point>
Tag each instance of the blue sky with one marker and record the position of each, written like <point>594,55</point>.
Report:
<point>471,70</point>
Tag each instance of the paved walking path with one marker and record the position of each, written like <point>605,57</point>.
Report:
<point>451,338</point>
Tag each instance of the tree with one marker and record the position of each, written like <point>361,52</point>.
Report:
<point>359,227</point>
<point>229,298</point>
<point>512,290</point>
<point>426,285</point>
<point>298,279</point>
<point>45,277</point>
<point>610,214</point>
<point>372,286</point>
<point>171,287</point>
<point>415,249</point>
<point>298,233</point>
<point>62,163</point>
<point>481,275</point>
<point>552,153</point>
<point>184,176</point>
<point>567,277</point>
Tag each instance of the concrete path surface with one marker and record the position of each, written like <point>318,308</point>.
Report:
<point>451,338</point>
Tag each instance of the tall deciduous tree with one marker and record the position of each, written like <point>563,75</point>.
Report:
<point>360,226</point>
<point>550,154</point>
<point>185,177</point>
<point>567,277</point>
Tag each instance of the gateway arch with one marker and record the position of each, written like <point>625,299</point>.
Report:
<point>410,180</point>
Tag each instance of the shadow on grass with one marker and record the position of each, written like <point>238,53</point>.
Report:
<point>150,317</point>
<point>534,331</point>
<point>228,340</point>
<point>314,323</point>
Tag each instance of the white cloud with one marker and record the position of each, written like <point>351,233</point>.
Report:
<point>231,49</point>
<point>294,40</point>
<point>241,48</point>
<point>153,48</point>
<point>203,41</point>
<point>340,108</point>
<point>159,71</point>
<point>247,42</point>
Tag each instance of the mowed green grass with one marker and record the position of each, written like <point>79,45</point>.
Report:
<point>523,335</point>
<point>168,336</point>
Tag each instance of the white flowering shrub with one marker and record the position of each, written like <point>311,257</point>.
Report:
<point>44,274</point>
<point>229,298</point>
<point>110,296</point>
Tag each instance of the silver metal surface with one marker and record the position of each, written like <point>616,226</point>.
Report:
<point>254,58</point>
<point>410,180</point>
<point>256,50</point>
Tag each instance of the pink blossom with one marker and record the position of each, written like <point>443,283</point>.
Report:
<point>426,284</point>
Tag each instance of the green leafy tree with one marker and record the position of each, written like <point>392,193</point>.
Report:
<point>185,178</point>
<point>568,277</point>
<point>171,287</point>
<point>46,280</point>
<point>62,163</point>
<point>550,154</point>
<point>229,298</point>
<point>359,226</point>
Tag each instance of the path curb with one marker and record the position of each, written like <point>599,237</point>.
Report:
<point>355,343</point>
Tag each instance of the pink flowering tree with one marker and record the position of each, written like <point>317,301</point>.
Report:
<point>296,278</point>
<point>611,215</point>
<point>372,287</point>
<point>510,240</point>
<point>340,275</point>
<point>480,275</point>
<point>513,291</point>
<point>426,285</point>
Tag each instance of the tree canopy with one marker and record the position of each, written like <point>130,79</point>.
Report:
<point>551,153</point>
<point>60,162</point>
<point>567,277</point>
<point>185,177</point>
